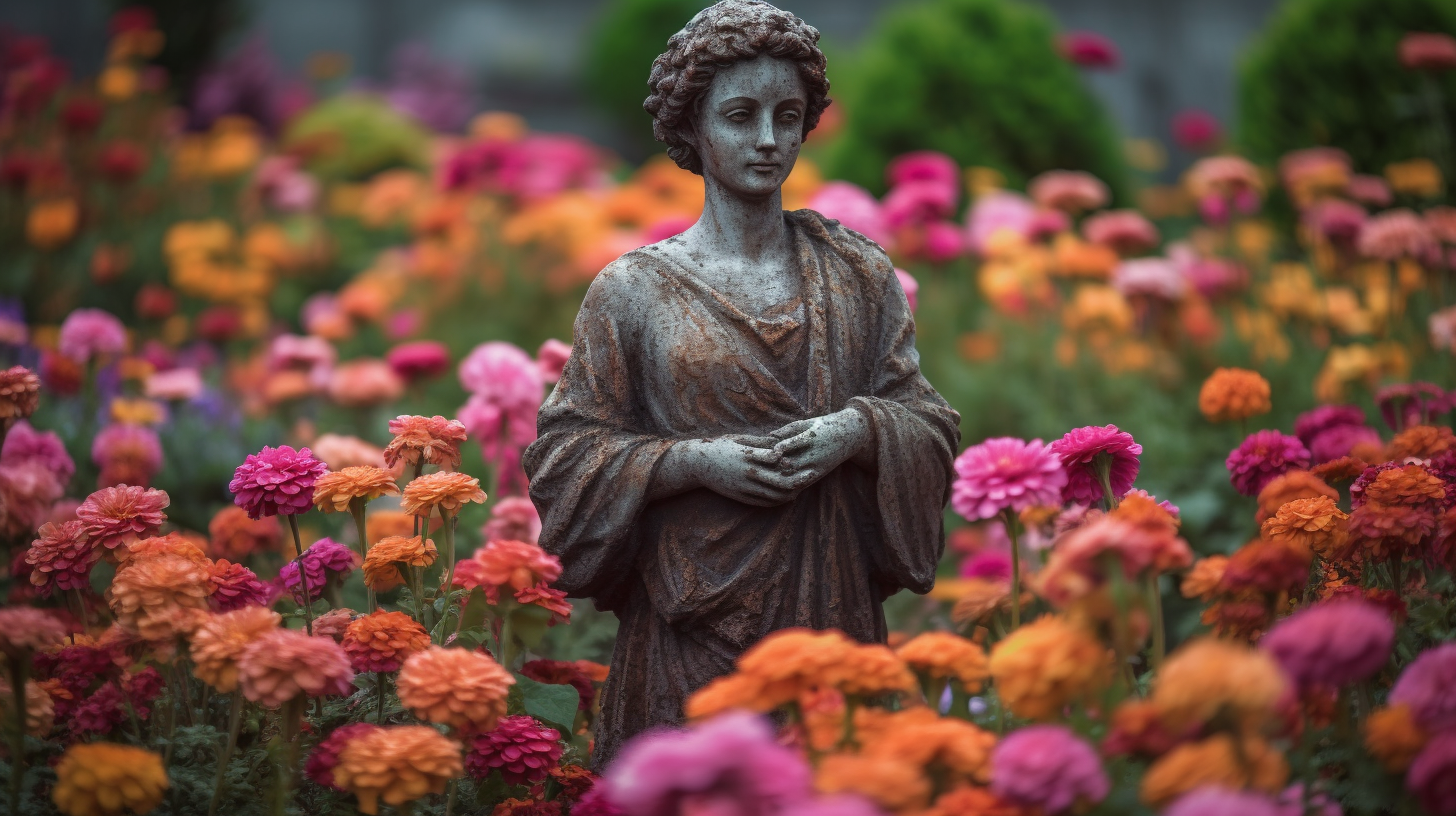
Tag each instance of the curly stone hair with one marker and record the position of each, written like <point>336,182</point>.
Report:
<point>728,32</point>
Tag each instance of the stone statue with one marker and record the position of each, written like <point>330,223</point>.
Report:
<point>742,440</point>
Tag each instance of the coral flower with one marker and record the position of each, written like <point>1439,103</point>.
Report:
<point>893,784</point>
<point>1127,231</point>
<point>1209,678</point>
<point>446,490</point>
<point>1219,761</point>
<point>516,564</point>
<point>461,689</point>
<point>117,516</point>
<point>40,708</point>
<point>397,765</point>
<point>323,560</point>
<point>220,639</point>
<point>980,598</point>
<point>24,630</point>
<point>334,623</point>
<point>234,586</point>
<point>286,664</point>
<point>1432,775</point>
<point>943,655</point>
<point>1046,665</point>
<point>428,440</point>
<point>1316,524</point>
<point>276,481</point>
<point>325,756</point>
<point>61,559</point>
<point>1071,191</point>
<point>127,454</point>
<point>513,518</point>
<point>1263,456</point>
<point>235,536</point>
<point>1006,474</point>
<point>1425,686</point>
<point>380,641</point>
<point>333,492</point>
<point>1203,580</point>
<point>1219,801</point>
<point>1393,737</point>
<point>1332,644</point>
<point>1048,768</point>
<point>148,594</point>
<point>365,383</point>
<point>1078,563</point>
<point>88,334</point>
<point>1396,234</point>
<point>19,393</point>
<point>1233,395</point>
<point>382,564</point>
<point>105,779</point>
<point>1092,454</point>
<point>522,749</point>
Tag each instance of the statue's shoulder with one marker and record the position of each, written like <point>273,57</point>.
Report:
<point>861,253</point>
<point>634,276</point>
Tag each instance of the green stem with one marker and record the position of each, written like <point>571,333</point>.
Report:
<point>302,575</point>
<point>1160,635</point>
<point>19,668</point>
<point>80,605</point>
<point>356,509</point>
<point>292,715</point>
<point>379,680</point>
<point>508,641</point>
<point>235,723</point>
<point>417,589</point>
<point>1010,523</point>
<point>450,800</point>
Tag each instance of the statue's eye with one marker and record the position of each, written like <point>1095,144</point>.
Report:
<point>789,117</point>
<point>739,115</point>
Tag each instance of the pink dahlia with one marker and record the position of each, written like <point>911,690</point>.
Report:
<point>1127,231</point>
<point>24,443</point>
<point>117,516</point>
<point>323,560</point>
<point>1263,456</point>
<point>1432,776</point>
<point>1211,800</point>
<point>521,748</point>
<point>1089,50</point>
<point>234,586</point>
<point>1396,234</point>
<point>1006,474</point>
<point>923,165</point>
<point>730,764</point>
<point>1428,51</point>
<point>551,359</point>
<point>916,203</point>
<point>1071,191</point>
<point>513,518</point>
<point>1049,768</point>
<point>276,481</point>
<point>1092,454</point>
<point>88,334</point>
<point>420,360</point>
<point>127,454</point>
<point>854,207</point>
<point>1332,644</point>
<point>325,756</point>
<point>504,376</point>
<point>1425,685</point>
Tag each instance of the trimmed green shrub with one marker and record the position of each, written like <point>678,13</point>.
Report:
<point>351,136</point>
<point>627,38</point>
<point>1327,72</point>
<point>980,80</point>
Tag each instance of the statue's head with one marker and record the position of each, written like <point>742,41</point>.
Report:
<point>737,91</point>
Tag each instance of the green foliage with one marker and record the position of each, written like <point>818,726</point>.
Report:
<point>628,37</point>
<point>979,80</point>
<point>352,136</point>
<point>1326,72</point>
<point>552,704</point>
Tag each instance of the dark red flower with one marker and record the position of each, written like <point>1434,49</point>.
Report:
<point>155,302</point>
<point>82,115</point>
<point>219,324</point>
<point>325,757</point>
<point>99,713</point>
<point>120,162</point>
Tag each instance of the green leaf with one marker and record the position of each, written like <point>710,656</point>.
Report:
<point>470,638</point>
<point>551,704</point>
<point>529,623</point>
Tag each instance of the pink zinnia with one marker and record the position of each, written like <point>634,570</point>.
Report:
<point>24,443</point>
<point>276,481</point>
<point>1428,51</point>
<point>1432,776</point>
<point>88,334</point>
<point>127,453</point>
<point>1085,452</point>
<point>1339,221</point>
<point>513,518</point>
<point>1371,191</point>
<point>323,559</point>
<point>1425,685</point>
<point>325,756</point>
<point>1261,457</point>
<point>997,212</point>
<point>504,376</point>
<point>909,285</point>
<point>731,762</point>
<point>28,491</point>
<point>117,516</point>
<point>1196,130</point>
<point>1153,277</point>
<point>915,203</point>
<point>1332,431</point>
<point>551,359</point>
<point>62,557</point>
<point>1216,801</point>
<point>1071,191</point>
<point>234,586</point>
<point>420,360</point>
<point>992,566</point>
<point>1089,50</point>
<point>1006,474</point>
<point>1127,231</point>
<point>1332,644</point>
<point>940,242</point>
<point>365,383</point>
<point>923,165</point>
<point>522,749</point>
<point>1047,767</point>
<point>854,207</point>
<point>1396,234</point>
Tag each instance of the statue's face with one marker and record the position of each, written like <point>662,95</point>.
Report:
<point>750,125</point>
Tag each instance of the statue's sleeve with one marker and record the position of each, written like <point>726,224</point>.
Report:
<point>590,467</point>
<point>916,435</point>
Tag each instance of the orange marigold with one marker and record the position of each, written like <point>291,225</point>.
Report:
<point>433,440</point>
<point>519,564</point>
<point>1047,664</point>
<point>1288,486</point>
<point>1233,394</point>
<point>286,664</point>
<point>944,655</point>
<point>1317,524</point>
<point>982,597</point>
<point>382,564</point>
<point>1212,679</point>
<point>380,641</point>
<point>19,393</point>
<point>462,689</point>
<point>1422,442</point>
<point>219,642</point>
<point>147,592</point>
<point>333,492</point>
<point>947,748</point>
<point>1202,581</point>
<point>1393,737</point>
<point>105,779</point>
<point>397,765</point>
<point>235,536</point>
<point>893,784</point>
<point>445,489</point>
<point>872,669</point>
<point>727,693</point>
<point>1252,763</point>
<point>791,661</point>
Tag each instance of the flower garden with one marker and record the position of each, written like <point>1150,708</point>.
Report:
<point>268,548</point>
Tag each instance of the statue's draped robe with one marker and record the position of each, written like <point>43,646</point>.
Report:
<point>659,356</point>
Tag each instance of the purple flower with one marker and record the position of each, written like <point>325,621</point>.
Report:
<point>276,481</point>
<point>1006,474</point>
<point>1332,644</point>
<point>89,334</point>
<point>1211,800</point>
<point>25,443</point>
<point>1417,403</point>
<point>1261,457</point>
<point>1047,767</point>
<point>1316,421</point>
<point>1425,685</point>
<point>324,558</point>
<point>1432,776</point>
<point>1085,452</point>
<point>732,758</point>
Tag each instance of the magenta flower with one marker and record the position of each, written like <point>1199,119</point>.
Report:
<point>1212,800</point>
<point>504,376</point>
<point>1006,474</point>
<point>1332,644</point>
<point>1093,453</point>
<point>1425,685</point>
<point>1338,220</point>
<point>551,359</point>
<point>24,443</point>
<point>1196,130</point>
<point>1089,50</point>
<point>1291,803</point>
<point>91,334</point>
<point>1047,767</point>
<point>1263,456</point>
<point>923,165</point>
<point>324,558</point>
<point>325,756</point>
<point>731,761</point>
<point>276,481</point>
<point>1432,776</point>
<point>420,360</point>
<point>1407,404</point>
<point>234,586</point>
<point>915,203</point>
<point>940,242</point>
<point>522,749</point>
<point>596,803</point>
<point>837,805</point>
<point>1328,427</point>
<point>992,566</point>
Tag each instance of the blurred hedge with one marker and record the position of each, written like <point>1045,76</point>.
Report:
<point>627,38</point>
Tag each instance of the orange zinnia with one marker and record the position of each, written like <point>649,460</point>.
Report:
<point>446,490</point>
<point>461,689</point>
<point>380,641</point>
<point>1288,486</point>
<point>382,565</point>
<point>980,598</point>
<point>235,536</point>
<point>727,693</point>
<point>1316,524</point>
<point>220,640</point>
<point>432,440</point>
<point>1047,664</point>
<point>1393,737</point>
<point>1212,679</point>
<point>944,655</point>
<point>1202,581</point>
<point>1422,442</point>
<point>519,564</point>
<point>333,492</point>
<point>872,669</point>
<point>947,748</point>
<point>1252,763</point>
<point>105,779</point>
<point>1233,394</point>
<point>397,765</point>
<point>791,661</point>
<point>893,784</point>
<point>148,592</point>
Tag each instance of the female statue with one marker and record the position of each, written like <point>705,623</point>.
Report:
<point>742,440</point>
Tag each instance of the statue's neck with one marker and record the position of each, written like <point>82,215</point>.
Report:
<point>747,228</point>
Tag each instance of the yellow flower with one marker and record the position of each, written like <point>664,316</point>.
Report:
<point>1416,177</point>
<point>105,779</point>
<point>136,411</point>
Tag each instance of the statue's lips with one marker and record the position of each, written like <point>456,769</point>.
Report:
<point>765,165</point>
